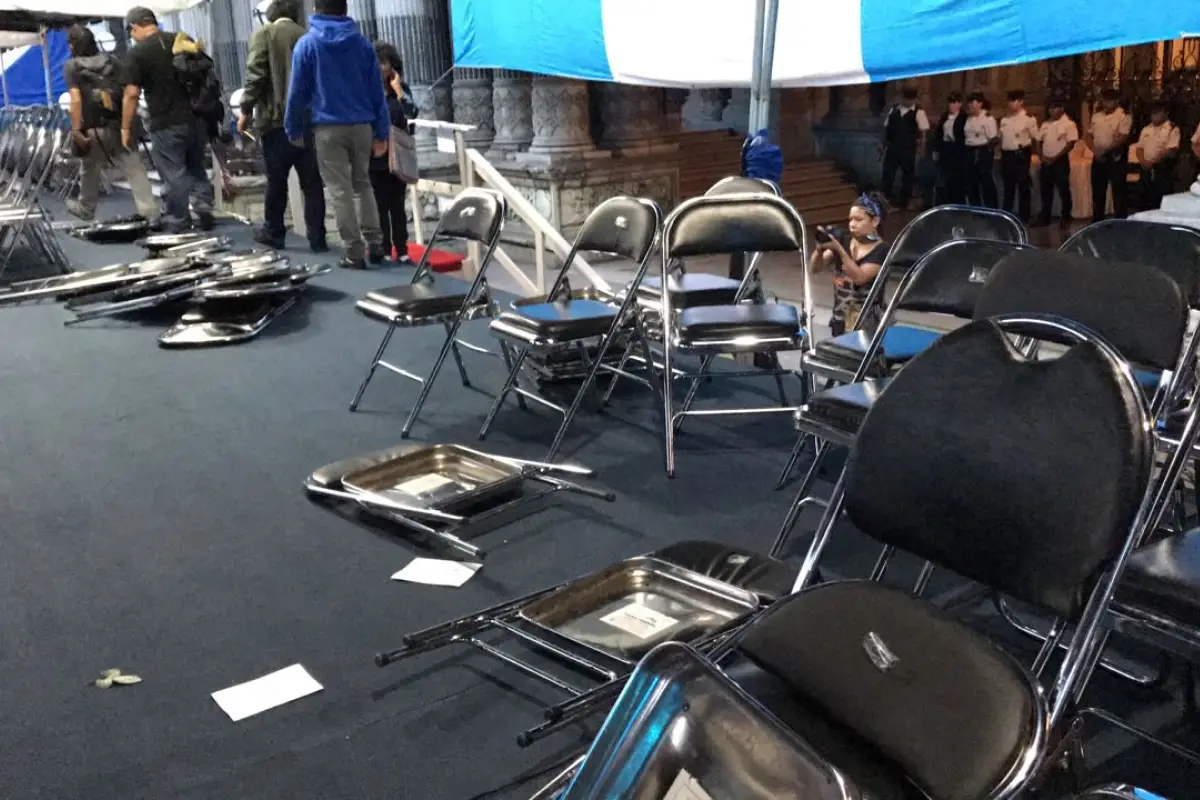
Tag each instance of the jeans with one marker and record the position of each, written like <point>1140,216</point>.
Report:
<point>280,157</point>
<point>107,149</point>
<point>344,157</point>
<point>390,192</point>
<point>179,154</point>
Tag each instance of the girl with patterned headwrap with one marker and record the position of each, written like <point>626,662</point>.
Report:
<point>854,262</point>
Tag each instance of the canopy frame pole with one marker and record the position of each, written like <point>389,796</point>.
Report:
<point>4,74</point>
<point>766,20</point>
<point>46,66</point>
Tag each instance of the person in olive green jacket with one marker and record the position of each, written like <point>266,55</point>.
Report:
<point>264,97</point>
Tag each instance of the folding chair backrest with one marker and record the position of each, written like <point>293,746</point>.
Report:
<point>736,223</point>
<point>947,223</point>
<point>949,278</point>
<point>1175,249</point>
<point>738,184</point>
<point>475,216</point>
<point>621,226</point>
<point>1025,476</point>
<point>1137,308</point>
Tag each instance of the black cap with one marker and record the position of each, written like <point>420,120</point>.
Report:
<point>140,15</point>
<point>976,97</point>
<point>1159,105</point>
<point>1016,94</point>
<point>954,97</point>
<point>1055,102</point>
<point>1110,94</point>
<point>909,93</point>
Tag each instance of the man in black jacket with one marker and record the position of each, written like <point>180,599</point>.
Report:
<point>904,131</point>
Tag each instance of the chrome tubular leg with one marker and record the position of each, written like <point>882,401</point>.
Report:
<point>668,405</point>
<point>387,337</point>
<point>801,500</point>
<point>793,457</point>
<point>693,387</point>
<point>503,393</point>
<point>506,354</point>
<point>462,369</point>
<point>616,376</point>
<point>447,347</point>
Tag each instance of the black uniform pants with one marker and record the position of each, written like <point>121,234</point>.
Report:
<point>981,182</point>
<point>1018,184</point>
<point>389,194</point>
<point>1056,176</point>
<point>899,158</point>
<point>1157,181</point>
<point>1110,169</point>
<point>952,166</point>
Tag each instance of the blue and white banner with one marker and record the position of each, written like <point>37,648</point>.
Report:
<point>818,42</point>
<point>25,72</point>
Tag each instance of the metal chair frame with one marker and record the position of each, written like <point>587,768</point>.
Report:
<point>477,303</point>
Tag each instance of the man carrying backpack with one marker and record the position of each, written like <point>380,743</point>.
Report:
<point>177,78</point>
<point>94,85</point>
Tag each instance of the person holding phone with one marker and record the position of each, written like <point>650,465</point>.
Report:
<point>854,264</point>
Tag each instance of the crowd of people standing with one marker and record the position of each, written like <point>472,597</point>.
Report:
<point>321,100</point>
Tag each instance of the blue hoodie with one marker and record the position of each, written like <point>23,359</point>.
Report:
<point>335,75</point>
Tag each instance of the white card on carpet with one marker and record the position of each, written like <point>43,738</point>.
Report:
<point>437,572</point>
<point>267,692</point>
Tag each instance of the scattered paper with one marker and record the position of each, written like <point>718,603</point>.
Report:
<point>686,787</point>
<point>639,620</point>
<point>113,677</point>
<point>437,572</point>
<point>267,692</point>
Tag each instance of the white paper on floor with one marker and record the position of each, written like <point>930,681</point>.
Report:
<point>437,572</point>
<point>267,692</point>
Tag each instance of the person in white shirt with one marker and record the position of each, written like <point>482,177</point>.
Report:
<point>1018,131</point>
<point>1108,139</point>
<point>1056,140</point>
<point>951,153</point>
<point>981,134</point>
<point>904,131</point>
<point>1157,147</point>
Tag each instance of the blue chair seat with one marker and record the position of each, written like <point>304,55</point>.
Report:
<point>565,321</point>
<point>901,344</point>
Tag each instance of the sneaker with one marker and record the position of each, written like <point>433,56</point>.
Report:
<point>75,209</point>
<point>376,255</point>
<point>318,246</point>
<point>263,237</point>
<point>205,220</point>
<point>403,261</point>
<point>352,263</point>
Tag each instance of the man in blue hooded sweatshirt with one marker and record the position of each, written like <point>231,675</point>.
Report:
<point>335,82</point>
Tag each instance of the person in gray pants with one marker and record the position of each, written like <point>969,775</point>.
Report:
<point>336,85</point>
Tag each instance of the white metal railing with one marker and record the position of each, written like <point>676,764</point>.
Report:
<point>474,169</point>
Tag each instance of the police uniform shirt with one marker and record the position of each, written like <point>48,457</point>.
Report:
<point>1057,135</point>
<point>1017,131</point>
<point>1108,128</point>
<point>1156,140</point>
<point>922,119</point>
<point>980,130</point>
<point>948,127</point>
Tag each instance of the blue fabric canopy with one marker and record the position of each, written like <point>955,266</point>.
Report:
<point>24,72</point>
<point>694,43</point>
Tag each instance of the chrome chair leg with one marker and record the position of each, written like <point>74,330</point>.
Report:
<point>462,369</point>
<point>387,337</point>
<point>506,354</point>
<point>588,385</point>
<point>668,403</point>
<point>513,374</point>
<point>793,457</point>
<point>802,500</point>
<point>448,347</point>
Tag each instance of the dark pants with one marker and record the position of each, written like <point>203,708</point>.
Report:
<point>280,157</point>
<point>1018,185</point>
<point>981,182</point>
<point>1157,181</point>
<point>903,159</point>
<point>179,154</point>
<point>389,198</point>
<point>1056,176</point>
<point>1110,169</point>
<point>952,165</point>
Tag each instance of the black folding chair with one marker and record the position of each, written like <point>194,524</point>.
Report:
<point>476,215</point>
<point>585,320</point>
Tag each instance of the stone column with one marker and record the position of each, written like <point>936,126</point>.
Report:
<point>472,100</point>
<point>631,117</point>
<point>561,122</point>
<point>512,109</point>
<point>420,30</point>
<point>673,102</point>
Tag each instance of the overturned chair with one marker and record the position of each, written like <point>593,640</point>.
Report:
<point>444,494</point>
<point>586,320</point>
<point>476,215</point>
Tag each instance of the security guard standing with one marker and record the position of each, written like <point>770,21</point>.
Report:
<point>1056,139</point>
<point>903,134</point>
<point>1108,139</point>
<point>1018,131</point>
<point>1157,150</point>
<point>981,134</point>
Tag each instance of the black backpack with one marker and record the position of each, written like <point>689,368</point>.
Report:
<point>102,86</point>
<point>196,70</point>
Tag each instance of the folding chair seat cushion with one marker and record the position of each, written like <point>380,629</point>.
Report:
<point>766,321</point>
<point>446,296</point>
<point>927,693</point>
<point>844,407</point>
<point>563,321</point>
<point>1164,578</point>
<point>767,577</point>
<point>690,289</point>
<point>901,344</point>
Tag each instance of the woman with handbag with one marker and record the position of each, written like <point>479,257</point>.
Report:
<point>387,170</point>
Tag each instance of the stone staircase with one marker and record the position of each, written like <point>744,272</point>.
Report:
<point>818,189</point>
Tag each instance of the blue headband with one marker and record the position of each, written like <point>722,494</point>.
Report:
<point>868,203</point>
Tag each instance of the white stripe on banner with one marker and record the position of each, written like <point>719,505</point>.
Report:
<point>686,43</point>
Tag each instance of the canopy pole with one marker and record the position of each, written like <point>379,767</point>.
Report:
<point>4,74</point>
<point>46,66</point>
<point>766,20</point>
<point>756,67</point>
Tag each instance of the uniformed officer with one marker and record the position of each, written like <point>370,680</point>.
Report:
<point>903,134</point>
<point>1056,140</point>
<point>1018,131</point>
<point>1157,148</point>
<point>1108,139</point>
<point>980,135</point>
<point>951,153</point>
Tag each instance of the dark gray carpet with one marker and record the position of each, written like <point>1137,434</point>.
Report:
<point>154,521</point>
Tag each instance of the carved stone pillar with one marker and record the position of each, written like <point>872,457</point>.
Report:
<point>631,117</point>
<point>472,100</point>
<point>673,101</point>
<point>561,122</point>
<point>703,108</point>
<point>420,30</point>
<point>512,109</point>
